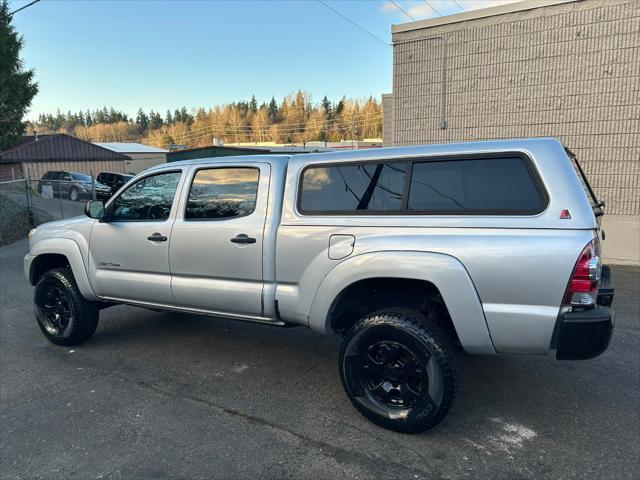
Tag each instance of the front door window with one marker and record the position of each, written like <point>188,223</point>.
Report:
<point>149,199</point>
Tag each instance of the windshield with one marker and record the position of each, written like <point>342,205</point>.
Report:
<point>79,177</point>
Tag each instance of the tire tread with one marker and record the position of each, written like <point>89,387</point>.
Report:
<point>85,312</point>
<point>438,342</point>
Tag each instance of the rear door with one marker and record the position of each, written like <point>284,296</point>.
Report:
<point>217,239</point>
<point>129,252</point>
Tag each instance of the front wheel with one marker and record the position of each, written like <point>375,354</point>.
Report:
<point>63,314</point>
<point>397,370</point>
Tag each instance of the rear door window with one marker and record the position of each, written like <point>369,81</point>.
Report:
<point>482,186</point>
<point>222,193</point>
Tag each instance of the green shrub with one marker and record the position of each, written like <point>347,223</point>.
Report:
<point>15,221</point>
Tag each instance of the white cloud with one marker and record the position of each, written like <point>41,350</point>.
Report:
<point>389,7</point>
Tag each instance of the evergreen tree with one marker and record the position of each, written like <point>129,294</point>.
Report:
<point>273,110</point>
<point>168,119</point>
<point>200,115</point>
<point>155,120</point>
<point>142,120</point>
<point>326,107</point>
<point>337,111</point>
<point>17,87</point>
<point>185,116</point>
<point>253,105</point>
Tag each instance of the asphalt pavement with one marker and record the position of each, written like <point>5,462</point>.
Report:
<point>165,395</point>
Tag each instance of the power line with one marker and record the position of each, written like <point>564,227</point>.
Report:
<point>432,7</point>
<point>402,10</point>
<point>372,117</point>
<point>354,23</point>
<point>22,8</point>
<point>230,130</point>
<point>459,6</point>
<point>222,131</point>
<point>292,125</point>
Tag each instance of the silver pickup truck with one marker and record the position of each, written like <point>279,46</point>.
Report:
<point>410,253</point>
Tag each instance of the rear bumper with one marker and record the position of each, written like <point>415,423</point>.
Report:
<point>584,334</point>
<point>605,293</point>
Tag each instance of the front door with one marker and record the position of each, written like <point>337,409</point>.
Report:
<point>129,249</point>
<point>216,242</point>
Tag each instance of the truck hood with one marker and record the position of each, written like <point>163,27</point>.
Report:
<point>68,228</point>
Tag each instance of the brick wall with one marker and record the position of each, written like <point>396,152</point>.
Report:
<point>570,71</point>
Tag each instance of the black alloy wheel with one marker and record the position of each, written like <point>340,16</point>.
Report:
<point>64,316</point>
<point>397,370</point>
<point>393,375</point>
<point>55,310</point>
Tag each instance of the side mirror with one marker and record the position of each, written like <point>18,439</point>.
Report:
<point>94,209</point>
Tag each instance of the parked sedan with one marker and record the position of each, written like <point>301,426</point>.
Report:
<point>73,185</point>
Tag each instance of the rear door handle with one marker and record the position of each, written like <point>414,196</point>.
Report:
<point>243,238</point>
<point>156,237</point>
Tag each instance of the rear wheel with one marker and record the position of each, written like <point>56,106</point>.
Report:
<point>397,370</point>
<point>74,194</point>
<point>63,314</point>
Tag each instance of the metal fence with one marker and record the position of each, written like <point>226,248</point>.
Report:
<point>27,203</point>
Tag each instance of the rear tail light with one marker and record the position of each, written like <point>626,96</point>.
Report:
<point>585,279</point>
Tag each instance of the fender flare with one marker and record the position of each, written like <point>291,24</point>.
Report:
<point>447,273</point>
<point>70,249</point>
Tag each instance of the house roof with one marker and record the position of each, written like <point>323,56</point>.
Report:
<point>56,147</point>
<point>130,147</point>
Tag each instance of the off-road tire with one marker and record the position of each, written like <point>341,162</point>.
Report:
<point>408,333</point>
<point>83,318</point>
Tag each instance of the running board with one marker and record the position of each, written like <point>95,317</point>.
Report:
<point>197,311</point>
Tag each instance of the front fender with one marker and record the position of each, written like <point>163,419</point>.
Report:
<point>70,249</point>
<point>447,273</point>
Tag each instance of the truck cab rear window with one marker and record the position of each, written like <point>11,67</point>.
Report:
<point>502,185</point>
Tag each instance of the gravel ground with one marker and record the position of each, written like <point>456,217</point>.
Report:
<point>163,395</point>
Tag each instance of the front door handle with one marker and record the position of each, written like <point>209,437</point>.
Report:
<point>156,237</point>
<point>243,238</point>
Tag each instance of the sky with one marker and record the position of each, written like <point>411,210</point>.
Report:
<point>159,55</point>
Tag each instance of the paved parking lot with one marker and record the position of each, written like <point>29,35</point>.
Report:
<point>162,395</point>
